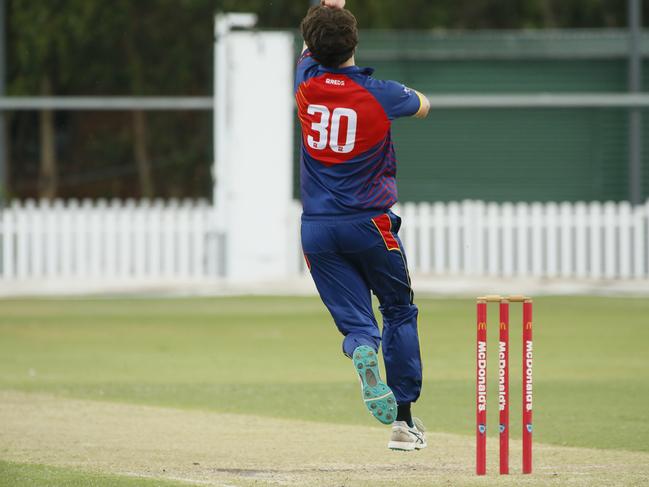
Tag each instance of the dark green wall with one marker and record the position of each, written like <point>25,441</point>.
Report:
<point>510,154</point>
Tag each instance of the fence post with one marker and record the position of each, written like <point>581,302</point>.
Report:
<point>566,219</point>
<point>468,238</point>
<point>493,241</point>
<point>140,237</point>
<point>639,243</point>
<point>410,234</point>
<point>198,231</point>
<point>72,248</point>
<point>7,241</point>
<point>439,235</point>
<point>610,227</point>
<point>424,237</point>
<point>507,240</point>
<point>50,244</point>
<point>454,238</point>
<point>624,249</point>
<point>551,243</point>
<point>522,239</point>
<point>581,245</point>
<point>538,225</point>
<point>595,227</point>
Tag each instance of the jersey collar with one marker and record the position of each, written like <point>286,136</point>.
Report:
<point>347,70</point>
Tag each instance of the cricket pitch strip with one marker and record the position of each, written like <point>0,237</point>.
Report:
<point>228,450</point>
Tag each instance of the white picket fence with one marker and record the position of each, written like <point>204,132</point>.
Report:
<point>549,240</point>
<point>115,240</point>
<point>127,241</point>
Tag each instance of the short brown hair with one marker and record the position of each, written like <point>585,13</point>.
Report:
<point>331,34</point>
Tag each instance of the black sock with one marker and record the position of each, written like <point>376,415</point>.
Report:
<point>403,413</point>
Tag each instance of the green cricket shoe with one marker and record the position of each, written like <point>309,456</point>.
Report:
<point>378,397</point>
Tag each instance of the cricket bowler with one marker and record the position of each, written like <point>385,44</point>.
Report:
<point>349,234</point>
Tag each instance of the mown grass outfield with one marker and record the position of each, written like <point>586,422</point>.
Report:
<point>255,391</point>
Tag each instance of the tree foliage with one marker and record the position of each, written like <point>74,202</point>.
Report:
<point>164,47</point>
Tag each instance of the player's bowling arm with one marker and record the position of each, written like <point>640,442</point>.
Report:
<point>424,107</point>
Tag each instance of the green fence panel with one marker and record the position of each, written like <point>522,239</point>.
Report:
<point>510,154</point>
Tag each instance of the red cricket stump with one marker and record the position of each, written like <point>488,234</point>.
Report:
<point>503,382</point>
<point>503,386</point>
<point>527,386</point>
<point>481,389</point>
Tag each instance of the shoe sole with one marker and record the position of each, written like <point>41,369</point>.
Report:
<point>406,446</point>
<point>378,397</point>
<point>401,446</point>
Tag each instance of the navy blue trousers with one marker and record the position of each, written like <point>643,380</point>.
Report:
<point>350,258</point>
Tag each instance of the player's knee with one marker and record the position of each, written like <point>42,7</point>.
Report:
<point>399,314</point>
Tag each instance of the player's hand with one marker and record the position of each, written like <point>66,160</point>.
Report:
<point>333,3</point>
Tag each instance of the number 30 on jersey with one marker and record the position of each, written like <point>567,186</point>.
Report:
<point>328,129</point>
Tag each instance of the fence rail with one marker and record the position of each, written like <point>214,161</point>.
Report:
<point>120,240</point>
<point>542,240</point>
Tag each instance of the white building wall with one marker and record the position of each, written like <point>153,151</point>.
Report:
<point>254,183</point>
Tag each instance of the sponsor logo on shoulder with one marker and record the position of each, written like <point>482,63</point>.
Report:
<point>335,82</point>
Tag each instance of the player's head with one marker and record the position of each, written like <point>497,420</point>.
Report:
<point>331,34</point>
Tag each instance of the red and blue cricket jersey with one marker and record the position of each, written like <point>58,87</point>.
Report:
<point>348,163</point>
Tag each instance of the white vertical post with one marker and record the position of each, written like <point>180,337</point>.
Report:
<point>22,240</point>
<point>50,230</point>
<point>551,244</point>
<point>464,238</point>
<point>110,243</point>
<point>640,216</point>
<point>522,219</point>
<point>95,228</point>
<point>155,234</point>
<point>537,224</point>
<point>639,241</point>
<point>508,239</point>
<point>424,237</point>
<point>624,249</point>
<point>581,240</point>
<point>410,234</point>
<point>454,238</point>
<point>140,238</point>
<point>267,163</point>
<point>296,261</point>
<point>472,244</point>
<point>198,240</point>
<point>35,235</point>
<point>610,225</point>
<point>493,229</point>
<point>68,249</point>
<point>566,220</point>
<point>83,238</point>
<point>168,230</point>
<point>222,26</point>
<point>479,250</point>
<point>63,239</point>
<point>439,235</point>
<point>124,234</point>
<point>7,240</point>
<point>184,212</point>
<point>595,239</point>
